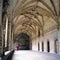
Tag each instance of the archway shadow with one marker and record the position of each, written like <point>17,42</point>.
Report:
<point>23,41</point>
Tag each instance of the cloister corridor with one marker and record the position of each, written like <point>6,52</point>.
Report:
<point>29,29</point>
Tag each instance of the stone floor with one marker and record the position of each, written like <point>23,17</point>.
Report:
<point>34,55</point>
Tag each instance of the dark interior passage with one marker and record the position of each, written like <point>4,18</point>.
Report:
<point>23,41</point>
<point>48,46</point>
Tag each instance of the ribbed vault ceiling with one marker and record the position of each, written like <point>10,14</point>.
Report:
<point>35,16</point>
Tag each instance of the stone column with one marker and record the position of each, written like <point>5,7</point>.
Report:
<point>41,39</point>
<point>10,36</point>
<point>36,46</point>
<point>52,46</point>
<point>37,39</point>
<point>33,44</point>
<point>40,46</point>
<point>6,32</point>
<point>45,46</point>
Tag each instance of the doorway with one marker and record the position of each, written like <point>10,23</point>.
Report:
<point>48,46</point>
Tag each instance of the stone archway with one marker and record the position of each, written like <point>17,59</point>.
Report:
<point>23,40</point>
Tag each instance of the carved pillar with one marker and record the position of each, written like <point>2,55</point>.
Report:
<point>10,14</point>
<point>45,46</point>
<point>40,46</point>
<point>6,32</point>
<point>37,39</point>
<point>52,46</point>
<point>10,36</point>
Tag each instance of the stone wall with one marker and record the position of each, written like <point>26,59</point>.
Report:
<point>51,36</point>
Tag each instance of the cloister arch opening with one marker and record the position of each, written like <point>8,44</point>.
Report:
<point>23,41</point>
<point>48,46</point>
